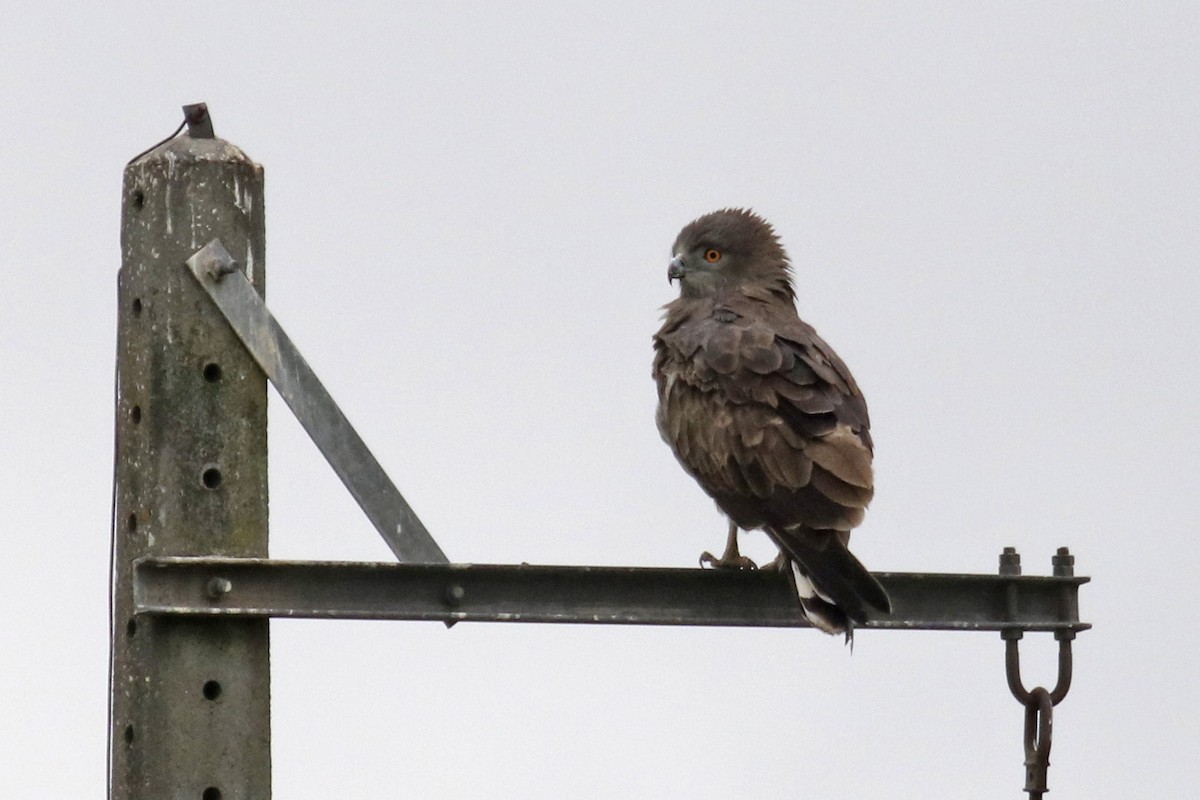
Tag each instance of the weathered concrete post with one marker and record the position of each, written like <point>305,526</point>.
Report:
<point>190,706</point>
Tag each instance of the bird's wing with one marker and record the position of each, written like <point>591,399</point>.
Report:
<point>765,415</point>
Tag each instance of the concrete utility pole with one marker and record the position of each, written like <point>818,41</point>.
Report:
<point>190,708</point>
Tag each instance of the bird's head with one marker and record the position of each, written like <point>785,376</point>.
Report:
<point>728,248</point>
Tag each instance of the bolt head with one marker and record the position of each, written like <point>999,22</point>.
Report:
<point>218,587</point>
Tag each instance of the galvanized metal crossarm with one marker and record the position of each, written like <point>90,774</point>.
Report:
<point>219,587</point>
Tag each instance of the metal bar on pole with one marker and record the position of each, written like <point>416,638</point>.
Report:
<point>203,587</point>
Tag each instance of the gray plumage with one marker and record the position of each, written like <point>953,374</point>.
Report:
<point>764,414</point>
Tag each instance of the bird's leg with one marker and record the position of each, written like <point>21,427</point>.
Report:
<point>731,558</point>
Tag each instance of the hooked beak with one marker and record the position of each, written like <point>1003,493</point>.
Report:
<point>675,270</point>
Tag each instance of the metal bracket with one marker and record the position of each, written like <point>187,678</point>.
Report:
<point>1038,702</point>
<point>220,275</point>
<point>199,123</point>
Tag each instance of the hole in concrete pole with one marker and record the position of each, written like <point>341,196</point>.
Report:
<point>135,414</point>
<point>131,628</point>
<point>128,734</point>
<point>137,306</point>
<point>212,690</point>
<point>139,198</point>
<point>131,523</point>
<point>211,478</point>
<point>211,793</point>
<point>212,372</point>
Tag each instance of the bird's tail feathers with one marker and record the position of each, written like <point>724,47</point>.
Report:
<point>821,613</point>
<point>834,588</point>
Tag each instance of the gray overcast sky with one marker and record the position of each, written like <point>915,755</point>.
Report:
<point>993,214</point>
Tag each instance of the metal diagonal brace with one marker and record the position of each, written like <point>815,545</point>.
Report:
<point>595,595</point>
<point>220,276</point>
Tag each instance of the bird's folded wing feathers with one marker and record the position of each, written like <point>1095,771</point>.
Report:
<point>790,399</point>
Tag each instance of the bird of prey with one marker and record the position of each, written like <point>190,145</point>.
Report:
<point>764,415</point>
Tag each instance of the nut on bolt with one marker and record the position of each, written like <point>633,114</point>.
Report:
<point>218,587</point>
<point>222,268</point>
<point>1063,563</point>
<point>1010,562</point>
<point>454,595</point>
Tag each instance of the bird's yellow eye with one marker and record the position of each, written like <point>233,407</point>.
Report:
<point>712,255</point>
